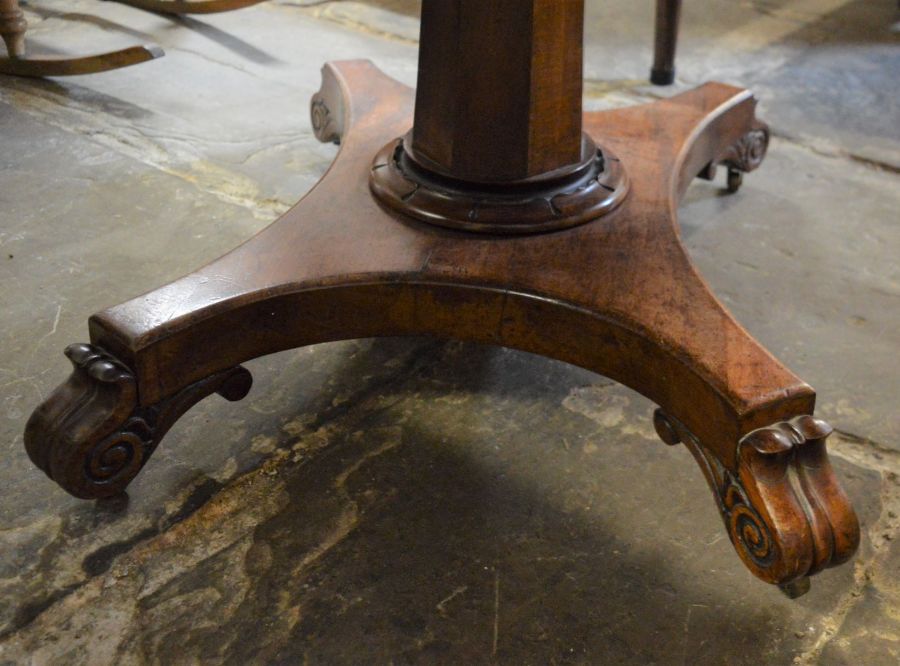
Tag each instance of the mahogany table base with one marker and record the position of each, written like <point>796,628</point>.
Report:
<point>617,295</point>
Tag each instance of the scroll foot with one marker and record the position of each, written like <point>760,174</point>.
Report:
<point>327,108</point>
<point>92,436</point>
<point>742,157</point>
<point>783,507</point>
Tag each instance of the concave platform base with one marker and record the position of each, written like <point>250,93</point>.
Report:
<point>617,295</point>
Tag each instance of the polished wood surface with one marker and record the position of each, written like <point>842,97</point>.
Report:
<point>497,145</point>
<point>617,295</point>
<point>471,128</point>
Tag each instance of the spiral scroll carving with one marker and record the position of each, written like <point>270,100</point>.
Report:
<point>748,529</point>
<point>92,436</point>
<point>782,505</point>
<point>120,456</point>
<point>744,155</point>
<point>323,122</point>
<point>749,152</point>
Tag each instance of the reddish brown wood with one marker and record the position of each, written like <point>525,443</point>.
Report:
<point>618,296</point>
<point>497,145</point>
<point>470,127</point>
<point>99,437</point>
<point>597,188</point>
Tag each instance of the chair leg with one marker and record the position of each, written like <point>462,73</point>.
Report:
<point>15,63</point>
<point>668,17</point>
<point>12,28</point>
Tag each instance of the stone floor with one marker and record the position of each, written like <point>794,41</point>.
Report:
<point>415,501</point>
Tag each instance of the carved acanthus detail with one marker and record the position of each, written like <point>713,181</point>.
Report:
<point>92,436</point>
<point>749,152</point>
<point>783,507</point>
<point>743,156</point>
<point>323,122</point>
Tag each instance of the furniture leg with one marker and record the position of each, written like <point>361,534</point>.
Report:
<point>668,19</point>
<point>12,29</point>
<point>184,7</point>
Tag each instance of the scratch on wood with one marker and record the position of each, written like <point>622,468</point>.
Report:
<point>458,591</point>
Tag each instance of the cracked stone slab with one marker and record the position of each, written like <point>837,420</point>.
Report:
<point>870,632</point>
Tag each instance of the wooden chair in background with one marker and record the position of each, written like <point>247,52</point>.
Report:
<point>18,63</point>
<point>668,18</point>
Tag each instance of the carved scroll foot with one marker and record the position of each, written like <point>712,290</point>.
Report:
<point>783,507</point>
<point>92,436</point>
<point>742,157</point>
<point>326,109</point>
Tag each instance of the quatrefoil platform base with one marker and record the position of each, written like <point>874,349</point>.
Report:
<point>617,295</point>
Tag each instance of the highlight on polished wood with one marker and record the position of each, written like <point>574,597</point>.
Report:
<point>393,241</point>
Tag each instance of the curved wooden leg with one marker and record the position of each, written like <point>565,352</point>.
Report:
<point>91,64</point>
<point>92,436</point>
<point>783,507</point>
<point>618,296</point>
<point>668,19</point>
<point>12,29</point>
<point>744,156</point>
<point>182,7</point>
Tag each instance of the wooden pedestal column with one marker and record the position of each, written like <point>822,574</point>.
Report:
<point>497,145</point>
<point>482,209</point>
